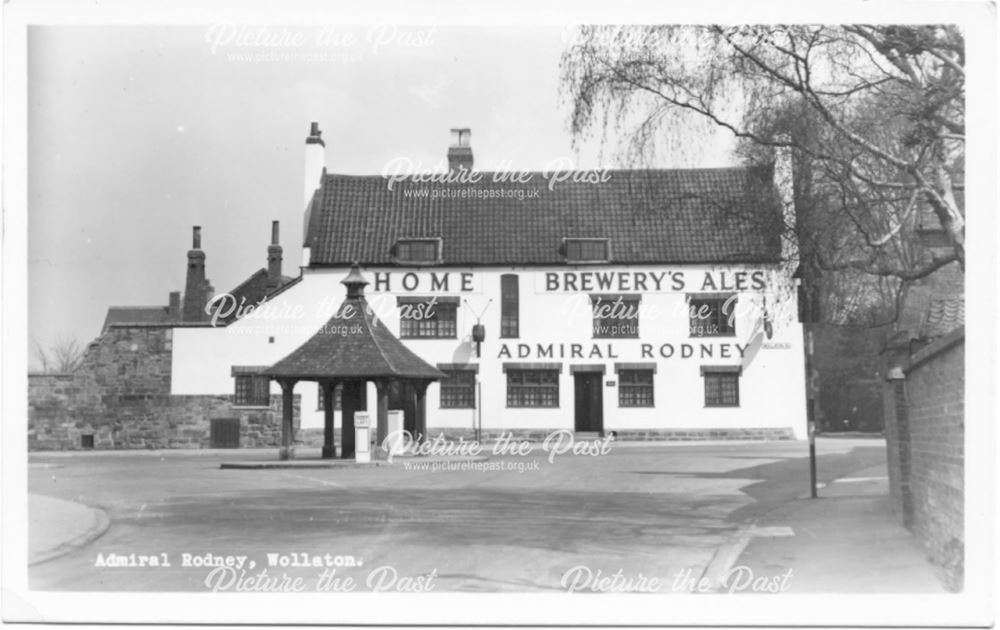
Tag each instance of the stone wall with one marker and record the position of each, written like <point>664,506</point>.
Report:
<point>120,395</point>
<point>925,434</point>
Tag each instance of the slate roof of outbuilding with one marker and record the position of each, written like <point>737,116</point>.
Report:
<point>649,216</point>
<point>253,290</point>
<point>136,315</point>
<point>371,351</point>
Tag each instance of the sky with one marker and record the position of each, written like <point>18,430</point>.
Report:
<point>137,133</point>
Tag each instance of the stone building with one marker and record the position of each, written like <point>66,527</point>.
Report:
<point>120,394</point>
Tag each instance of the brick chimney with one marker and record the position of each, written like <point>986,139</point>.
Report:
<point>174,308</point>
<point>274,259</point>
<point>460,151</point>
<point>196,287</point>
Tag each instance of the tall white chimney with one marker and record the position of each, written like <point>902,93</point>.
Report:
<point>315,160</point>
<point>315,167</point>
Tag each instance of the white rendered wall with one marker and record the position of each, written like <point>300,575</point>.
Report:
<point>772,384</point>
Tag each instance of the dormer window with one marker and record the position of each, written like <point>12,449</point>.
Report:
<point>417,251</point>
<point>582,250</point>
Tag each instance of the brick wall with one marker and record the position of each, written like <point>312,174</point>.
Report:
<point>925,430</point>
<point>120,395</point>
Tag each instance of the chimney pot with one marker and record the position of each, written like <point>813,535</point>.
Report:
<point>461,137</point>
<point>196,288</point>
<point>315,135</point>
<point>460,151</point>
<point>274,232</point>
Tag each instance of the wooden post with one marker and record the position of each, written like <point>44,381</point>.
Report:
<point>287,450</point>
<point>329,447</point>
<point>420,422</point>
<point>382,387</point>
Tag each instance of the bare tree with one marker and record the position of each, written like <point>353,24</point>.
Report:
<point>875,114</point>
<point>62,357</point>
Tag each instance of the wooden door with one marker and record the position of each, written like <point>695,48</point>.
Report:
<point>588,402</point>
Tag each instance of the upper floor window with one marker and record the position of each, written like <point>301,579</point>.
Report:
<point>586,249</point>
<point>712,314</point>
<point>417,251</point>
<point>615,316</point>
<point>428,317</point>
<point>509,306</point>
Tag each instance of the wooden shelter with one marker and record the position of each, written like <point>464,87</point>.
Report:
<point>351,349</point>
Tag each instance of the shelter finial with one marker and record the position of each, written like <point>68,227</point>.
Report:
<point>355,282</point>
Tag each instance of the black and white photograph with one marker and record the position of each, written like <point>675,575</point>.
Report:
<point>531,314</point>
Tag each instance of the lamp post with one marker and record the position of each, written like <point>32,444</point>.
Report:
<point>809,314</point>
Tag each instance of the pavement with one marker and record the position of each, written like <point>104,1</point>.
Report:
<point>845,540</point>
<point>58,527</point>
<point>690,509</point>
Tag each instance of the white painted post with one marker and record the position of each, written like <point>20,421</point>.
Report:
<point>362,439</point>
<point>395,421</point>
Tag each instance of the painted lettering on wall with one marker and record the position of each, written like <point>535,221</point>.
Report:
<point>433,282</point>
<point>653,281</point>
<point>721,350</point>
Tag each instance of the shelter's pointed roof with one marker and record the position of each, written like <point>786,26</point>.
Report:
<point>353,344</point>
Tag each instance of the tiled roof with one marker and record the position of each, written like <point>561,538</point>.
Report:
<point>650,216</point>
<point>253,290</point>
<point>942,317</point>
<point>136,315</point>
<point>353,343</point>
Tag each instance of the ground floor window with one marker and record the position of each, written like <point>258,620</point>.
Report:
<point>532,388</point>
<point>252,389</point>
<point>458,390</point>
<point>722,386</point>
<point>635,388</point>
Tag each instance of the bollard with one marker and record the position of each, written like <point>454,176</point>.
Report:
<point>362,441</point>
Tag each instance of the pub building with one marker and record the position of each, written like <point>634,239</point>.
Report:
<point>655,304</point>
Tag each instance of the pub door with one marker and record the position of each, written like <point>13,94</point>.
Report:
<point>588,402</point>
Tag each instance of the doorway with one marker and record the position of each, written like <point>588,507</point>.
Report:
<point>588,402</point>
<point>224,433</point>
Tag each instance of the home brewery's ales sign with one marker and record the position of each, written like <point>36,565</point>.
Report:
<point>576,281</point>
<point>651,281</point>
